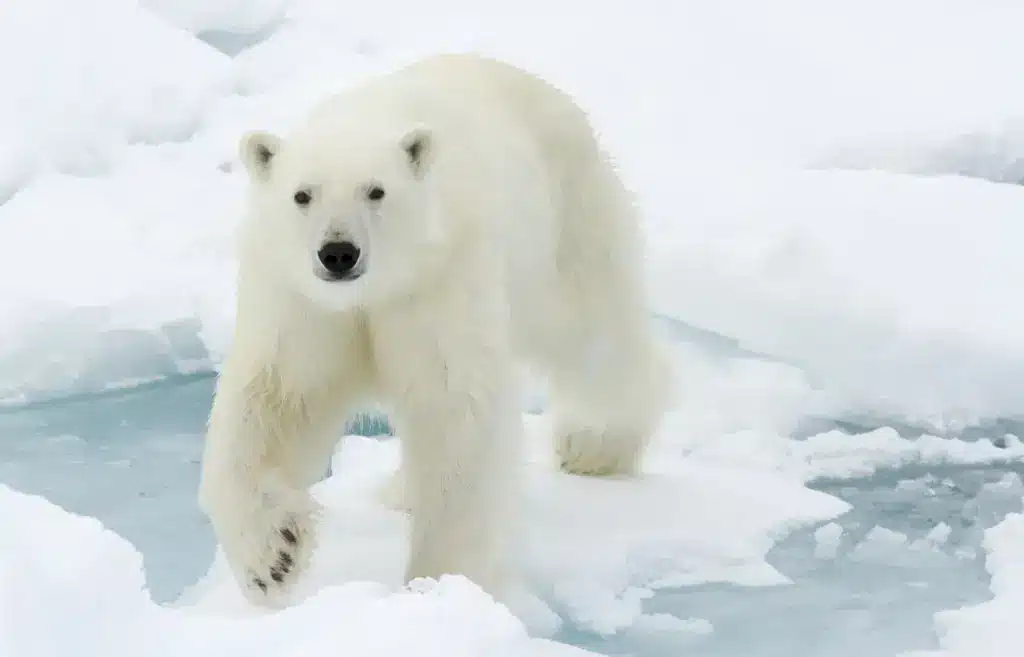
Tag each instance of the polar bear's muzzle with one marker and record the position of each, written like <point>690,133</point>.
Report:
<point>341,261</point>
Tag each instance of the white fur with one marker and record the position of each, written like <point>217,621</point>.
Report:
<point>508,238</point>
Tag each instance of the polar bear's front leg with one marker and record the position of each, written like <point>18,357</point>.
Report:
<point>263,450</point>
<point>460,463</point>
<point>446,363</point>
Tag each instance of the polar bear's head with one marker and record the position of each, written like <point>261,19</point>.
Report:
<point>347,213</point>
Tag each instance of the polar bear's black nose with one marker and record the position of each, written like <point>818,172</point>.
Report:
<point>338,257</point>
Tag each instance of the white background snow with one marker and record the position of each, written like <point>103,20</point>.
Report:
<point>829,192</point>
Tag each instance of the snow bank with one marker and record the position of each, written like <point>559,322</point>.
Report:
<point>69,586</point>
<point>114,280</point>
<point>83,80</point>
<point>888,290</point>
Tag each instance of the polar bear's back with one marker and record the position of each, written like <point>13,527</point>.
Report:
<point>467,93</point>
<point>550,113</point>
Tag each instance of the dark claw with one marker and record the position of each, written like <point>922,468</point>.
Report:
<point>284,561</point>
<point>289,536</point>
<point>276,575</point>
<point>260,583</point>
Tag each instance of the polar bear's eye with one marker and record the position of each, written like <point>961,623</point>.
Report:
<point>303,197</point>
<point>375,193</point>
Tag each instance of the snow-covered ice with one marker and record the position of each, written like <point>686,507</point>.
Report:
<point>903,272</point>
<point>82,82</point>
<point>91,600</point>
<point>828,191</point>
<point>889,289</point>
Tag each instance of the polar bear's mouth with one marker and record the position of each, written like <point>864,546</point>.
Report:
<point>340,278</point>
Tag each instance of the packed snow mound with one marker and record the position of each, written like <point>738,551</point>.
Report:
<point>114,280</point>
<point>83,80</point>
<point>591,549</point>
<point>888,290</point>
<point>67,585</point>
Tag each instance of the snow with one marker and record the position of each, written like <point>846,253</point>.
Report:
<point>82,81</point>
<point>833,234</point>
<point>787,261</point>
<point>181,268</point>
<point>888,289</point>
<point>55,600</point>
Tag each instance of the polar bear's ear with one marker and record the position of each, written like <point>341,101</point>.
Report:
<point>257,150</point>
<point>418,144</point>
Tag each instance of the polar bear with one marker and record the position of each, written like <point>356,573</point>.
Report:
<point>411,243</point>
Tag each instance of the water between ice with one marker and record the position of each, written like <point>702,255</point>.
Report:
<point>867,584</point>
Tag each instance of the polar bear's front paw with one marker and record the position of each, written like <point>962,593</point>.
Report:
<point>283,557</point>
<point>271,551</point>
